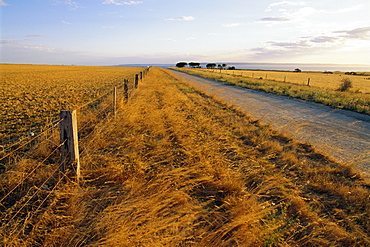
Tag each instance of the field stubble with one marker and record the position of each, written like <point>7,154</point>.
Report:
<point>177,168</point>
<point>31,96</point>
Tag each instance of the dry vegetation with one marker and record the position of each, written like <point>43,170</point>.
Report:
<point>317,79</point>
<point>324,88</point>
<point>177,168</point>
<point>32,95</point>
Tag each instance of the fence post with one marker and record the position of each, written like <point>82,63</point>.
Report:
<point>69,138</point>
<point>136,80</point>
<point>115,101</point>
<point>308,81</point>
<point>125,90</point>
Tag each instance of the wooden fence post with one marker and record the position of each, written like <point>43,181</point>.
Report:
<point>308,81</point>
<point>284,78</point>
<point>69,138</point>
<point>125,90</point>
<point>115,101</point>
<point>136,80</point>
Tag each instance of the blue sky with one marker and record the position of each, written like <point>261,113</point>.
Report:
<point>108,32</point>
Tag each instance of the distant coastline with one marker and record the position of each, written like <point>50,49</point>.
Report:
<point>278,66</point>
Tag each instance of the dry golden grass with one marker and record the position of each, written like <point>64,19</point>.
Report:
<point>32,95</point>
<point>177,168</point>
<point>317,79</point>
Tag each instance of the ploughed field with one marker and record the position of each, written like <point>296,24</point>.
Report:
<point>175,167</point>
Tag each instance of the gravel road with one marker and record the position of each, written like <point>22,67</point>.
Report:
<point>341,134</point>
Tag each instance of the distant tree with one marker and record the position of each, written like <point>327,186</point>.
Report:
<point>194,65</point>
<point>181,64</point>
<point>219,66</point>
<point>211,65</point>
<point>231,68</point>
<point>224,65</point>
<point>298,70</point>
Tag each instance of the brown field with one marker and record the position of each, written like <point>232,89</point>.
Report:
<point>178,168</point>
<point>317,79</point>
<point>32,96</point>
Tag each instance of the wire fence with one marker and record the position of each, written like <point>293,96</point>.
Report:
<point>31,173</point>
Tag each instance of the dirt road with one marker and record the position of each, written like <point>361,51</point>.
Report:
<point>341,134</point>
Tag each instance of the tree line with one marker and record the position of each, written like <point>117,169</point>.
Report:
<point>208,66</point>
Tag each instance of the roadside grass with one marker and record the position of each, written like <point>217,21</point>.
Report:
<point>177,168</point>
<point>349,100</point>
<point>326,80</point>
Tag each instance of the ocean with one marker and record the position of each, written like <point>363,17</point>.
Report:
<point>279,66</point>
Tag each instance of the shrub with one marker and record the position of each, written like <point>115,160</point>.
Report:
<point>345,86</point>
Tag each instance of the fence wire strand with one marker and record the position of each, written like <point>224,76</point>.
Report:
<point>37,191</point>
<point>42,203</point>
<point>31,172</point>
<point>33,138</point>
<point>25,200</point>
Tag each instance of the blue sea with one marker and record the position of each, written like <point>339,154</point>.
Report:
<point>279,66</point>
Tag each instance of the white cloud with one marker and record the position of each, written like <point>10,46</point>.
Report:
<point>303,12</point>
<point>285,3</point>
<point>72,5</point>
<point>107,27</point>
<point>65,22</point>
<point>116,2</point>
<point>10,42</point>
<point>274,19</point>
<point>2,3</point>
<point>362,33</point>
<point>70,2</point>
<point>291,12</point>
<point>323,39</point>
<point>25,44</point>
<point>231,25</point>
<point>345,10</point>
<point>335,41</point>
<point>35,35</point>
<point>183,18</point>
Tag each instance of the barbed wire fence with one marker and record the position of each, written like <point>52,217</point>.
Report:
<point>32,172</point>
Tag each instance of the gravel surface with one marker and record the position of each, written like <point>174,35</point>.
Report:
<point>342,135</point>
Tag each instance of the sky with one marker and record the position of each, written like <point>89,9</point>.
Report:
<point>111,32</point>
